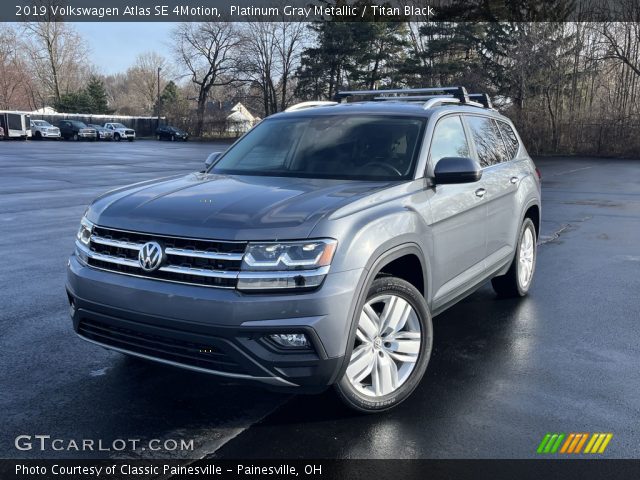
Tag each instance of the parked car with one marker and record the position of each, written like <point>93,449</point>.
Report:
<point>167,132</point>
<point>75,130</point>
<point>120,132</point>
<point>103,133</point>
<point>316,250</point>
<point>42,129</point>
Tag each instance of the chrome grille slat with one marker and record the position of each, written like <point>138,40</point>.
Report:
<point>116,243</point>
<point>184,252</point>
<point>108,258</point>
<point>199,271</point>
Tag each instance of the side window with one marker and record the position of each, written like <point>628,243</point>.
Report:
<point>449,140</point>
<point>489,145</point>
<point>510,138</point>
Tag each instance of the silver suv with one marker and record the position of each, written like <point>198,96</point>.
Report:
<point>316,250</point>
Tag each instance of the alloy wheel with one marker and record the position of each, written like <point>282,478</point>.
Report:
<point>387,346</point>
<point>526,258</point>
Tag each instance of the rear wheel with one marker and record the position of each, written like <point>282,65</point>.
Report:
<point>38,135</point>
<point>517,281</point>
<point>76,137</point>
<point>116,137</point>
<point>391,349</point>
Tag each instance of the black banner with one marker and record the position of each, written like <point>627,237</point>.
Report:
<point>322,469</point>
<point>314,10</point>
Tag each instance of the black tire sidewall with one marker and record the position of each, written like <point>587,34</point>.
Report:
<point>408,292</point>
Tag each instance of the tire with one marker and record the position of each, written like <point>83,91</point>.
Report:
<point>517,281</point>
<point>173,138</point>
<point>358,389</point>
<point>76,137</point>
<point>158,137</point>
<point>38,135</point>
<point>116,137</point>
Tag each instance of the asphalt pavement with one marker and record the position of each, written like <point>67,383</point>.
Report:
<point>502,374</point>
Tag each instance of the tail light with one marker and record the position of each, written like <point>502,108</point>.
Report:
<point>538,173</point>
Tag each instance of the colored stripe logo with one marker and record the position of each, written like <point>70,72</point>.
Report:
<point>574,443</point>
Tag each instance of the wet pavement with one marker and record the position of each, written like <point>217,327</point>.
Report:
<point>502,374</point>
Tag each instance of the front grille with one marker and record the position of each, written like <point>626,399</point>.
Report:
<point>159,346</point>
<point>129,132</point>
<point>208,263</point>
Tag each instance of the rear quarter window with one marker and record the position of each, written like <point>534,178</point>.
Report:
<point>488,140</point>
<point>510,138</point>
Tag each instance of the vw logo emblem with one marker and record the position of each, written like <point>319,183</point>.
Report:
<point>150,256</point>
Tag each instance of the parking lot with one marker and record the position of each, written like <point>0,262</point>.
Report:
<point>503,372</point>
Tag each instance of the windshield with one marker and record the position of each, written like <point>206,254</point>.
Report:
<point>93,125</point>
<point>40,123</point>
<point>79,124</point>
<point>366,147</point>
<point>118,125</point>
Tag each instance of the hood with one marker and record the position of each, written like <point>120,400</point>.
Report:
<point>227,207</point>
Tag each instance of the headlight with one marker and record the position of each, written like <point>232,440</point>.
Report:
<point>286,265</point>
<point>84,232</point>
<point>289,256</point>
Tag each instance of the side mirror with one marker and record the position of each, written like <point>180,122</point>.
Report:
<point>211,159</point>
<point>457,170</point>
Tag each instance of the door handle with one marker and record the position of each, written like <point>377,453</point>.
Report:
<point>513,180</point>
<point>480,192</point>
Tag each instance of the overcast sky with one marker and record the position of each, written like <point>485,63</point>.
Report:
<point>114,45</point>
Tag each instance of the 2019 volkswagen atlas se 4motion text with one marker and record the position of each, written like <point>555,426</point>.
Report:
<point>317,248</point>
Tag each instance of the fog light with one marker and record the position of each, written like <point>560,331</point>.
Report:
<point>291,340</point>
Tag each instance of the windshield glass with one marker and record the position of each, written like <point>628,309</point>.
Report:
<point>40,123</point>
<point>93,125</point>
<point>365,147</point>
<point>79,124</point>
<point>118,125</point>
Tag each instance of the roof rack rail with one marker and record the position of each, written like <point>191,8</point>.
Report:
<point>311,104</point>
<point>482,98</point>
<point>456,92</point>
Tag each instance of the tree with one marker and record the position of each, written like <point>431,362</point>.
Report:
<point>74,102</point>
<point>57,57</point>
<point>351,55</point>
<point>143,79</point>
<point>207,51</point>
<point>14,78</point>
<point>97,95</point>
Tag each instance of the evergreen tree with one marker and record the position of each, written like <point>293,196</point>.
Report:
<point>97,94</point>
<point>74,102</point>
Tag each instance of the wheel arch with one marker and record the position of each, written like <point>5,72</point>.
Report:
<point>374,268</point>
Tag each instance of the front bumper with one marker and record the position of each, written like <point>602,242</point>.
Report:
<point>87,135</point>
<point>50,134</point>
<point>175,323</point>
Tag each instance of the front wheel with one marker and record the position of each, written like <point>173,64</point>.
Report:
<point>517,281</point>
<point>116,137</point>
<point>392,347</point>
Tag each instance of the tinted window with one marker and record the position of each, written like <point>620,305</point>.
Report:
<point>449,140</point>
<point>328,146</point>
<point>510,138</point>
<point>489,145</point>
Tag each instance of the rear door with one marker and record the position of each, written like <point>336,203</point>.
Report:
<point>459,218</point>
<point>501,186</point>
